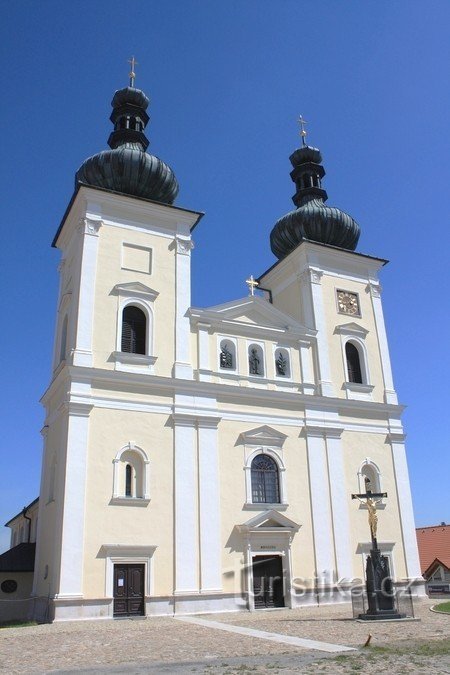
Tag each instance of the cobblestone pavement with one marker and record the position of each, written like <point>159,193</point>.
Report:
<point>162,645</point>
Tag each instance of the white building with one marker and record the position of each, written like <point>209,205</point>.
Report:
<point>203,459</point>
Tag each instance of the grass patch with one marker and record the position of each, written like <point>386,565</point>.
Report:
<point>17,624</point>
<point>443,607</point>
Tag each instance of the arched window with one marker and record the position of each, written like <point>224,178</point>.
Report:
<point>265,481</point>
<point>134,330</point>
<point>282,364</point>
<point>255,360</point>
<point>63,343</point>
<point>128,480</point>
<point>353,363</point>
<point>131,476</point>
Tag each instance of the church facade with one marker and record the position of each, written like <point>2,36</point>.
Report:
<point>203,459</point>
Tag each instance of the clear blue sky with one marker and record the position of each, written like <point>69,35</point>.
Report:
<point>227,81</point>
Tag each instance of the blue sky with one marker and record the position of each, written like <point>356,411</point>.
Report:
<point>227,81</point>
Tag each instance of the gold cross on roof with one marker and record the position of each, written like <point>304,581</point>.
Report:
<point>303,131</point>
<point>252,284</point>
<point>132,74</point>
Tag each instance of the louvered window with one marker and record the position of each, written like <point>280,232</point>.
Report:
<point>265,483</point>
<point>353,363</point>
<point>134,329</point>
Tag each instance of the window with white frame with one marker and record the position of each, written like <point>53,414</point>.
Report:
<point>369,477</point>
<point>131,475</point>
<point>135,328</point>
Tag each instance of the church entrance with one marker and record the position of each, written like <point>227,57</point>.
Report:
<point>129,590</point>
<point>267,581</point>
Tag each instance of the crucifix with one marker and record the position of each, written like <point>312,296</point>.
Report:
<point>252,284</point>
<point>132,74</point>
<point>371,499</point>
<point>303,131</point>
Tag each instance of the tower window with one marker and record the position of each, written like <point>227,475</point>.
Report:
<point>353,363</point>
<point>265,482</point>
<point>63,345</point>
<point>134,330</point>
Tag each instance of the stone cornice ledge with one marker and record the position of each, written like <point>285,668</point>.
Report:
<point>191,418</point>
<point>95,376</point>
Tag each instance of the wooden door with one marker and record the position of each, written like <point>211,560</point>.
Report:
<point>268,582</point>
<point>129,590</point>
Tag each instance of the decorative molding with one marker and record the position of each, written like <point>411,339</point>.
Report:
<point>257,523</point>
<point>351,329</point>
<point>196,419</point>
<point>76,408</point>
<point>183,246</point>
<point>374,288</point>
<point>90,226</point>
<point>250,506</point>
<point>396,437</point>
<point>262,436</point>
<point>129,501</point>
<point>135,289</point>
<point>322,432</point>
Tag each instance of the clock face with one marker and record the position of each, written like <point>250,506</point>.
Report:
<point>348,303</point>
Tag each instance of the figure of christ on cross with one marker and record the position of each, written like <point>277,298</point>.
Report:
<point>371,499</point>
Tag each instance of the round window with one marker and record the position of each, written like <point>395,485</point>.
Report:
<point>9,586</point>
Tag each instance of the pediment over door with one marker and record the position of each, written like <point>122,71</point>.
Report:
<point>267,521</point>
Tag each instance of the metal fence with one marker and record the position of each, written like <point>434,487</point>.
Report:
<point>402,596</point>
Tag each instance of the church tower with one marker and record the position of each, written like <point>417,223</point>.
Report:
<point>203,459</point>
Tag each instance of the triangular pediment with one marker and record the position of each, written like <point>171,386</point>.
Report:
<point>254,312</point>
<point>135,289</point>
<point>351,328</point>
<point>263,436</point>
<point>269,519</point>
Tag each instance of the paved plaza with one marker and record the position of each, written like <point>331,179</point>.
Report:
<point>307,640</point>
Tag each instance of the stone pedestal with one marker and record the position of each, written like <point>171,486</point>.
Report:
<point>380,593</point>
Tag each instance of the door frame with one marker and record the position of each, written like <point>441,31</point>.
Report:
<point>128,555</point>
<point>269,545</point>
<point>129,566</point>
<point>283,577</point>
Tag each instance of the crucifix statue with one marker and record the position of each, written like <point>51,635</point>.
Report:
<point>252,284</point>
<point>132,74</point>
<point>379,585</point>
<point>371,499</point>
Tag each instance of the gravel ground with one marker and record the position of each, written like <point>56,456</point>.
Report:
<point>162,645</point>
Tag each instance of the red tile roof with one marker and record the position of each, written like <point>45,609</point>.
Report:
<point>433,542</point>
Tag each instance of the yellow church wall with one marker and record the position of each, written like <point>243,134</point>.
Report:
<point>289,301</point>
<point>149,525</point>
<point>161,279</point>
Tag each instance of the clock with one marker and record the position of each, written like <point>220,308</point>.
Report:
<point>348,303</point>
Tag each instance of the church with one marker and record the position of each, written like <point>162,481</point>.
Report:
<point>203,459</point>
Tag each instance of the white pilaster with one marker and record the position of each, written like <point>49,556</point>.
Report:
<point>209,505</point>
<point>314,310</point>
<point>405,506</point>
<point>307,368</point>
<point>186,522</point>
<point>72,535</point>
<point>390,396</point>
<point>89,230</point>
<point>204,364</point>
<point>320,504</point>
<point>183,363</point>
<point>339,504</point>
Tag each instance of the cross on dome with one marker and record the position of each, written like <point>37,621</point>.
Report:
<point>303,131</point>
<point>132,74</point>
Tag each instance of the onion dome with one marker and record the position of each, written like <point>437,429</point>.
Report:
<point>312,219</point>
<point>127,168</point>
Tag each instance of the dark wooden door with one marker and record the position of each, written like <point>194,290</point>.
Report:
<point>268,581</point>
<point>129,590</point>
